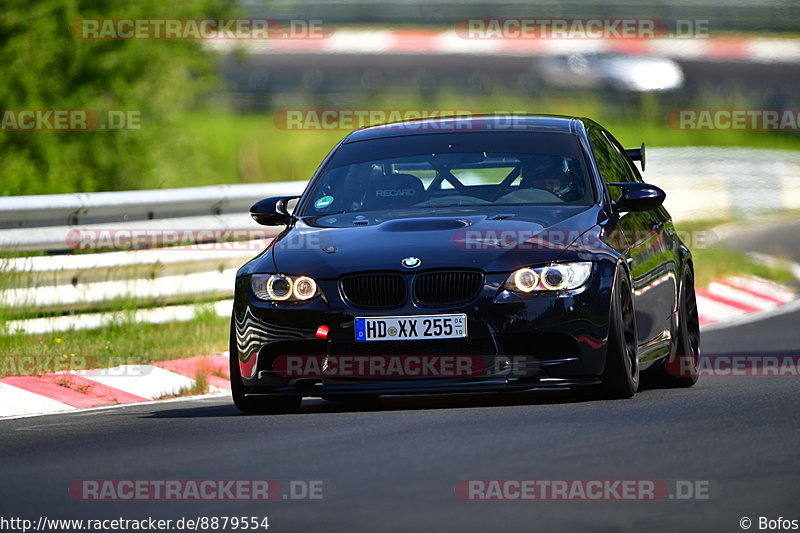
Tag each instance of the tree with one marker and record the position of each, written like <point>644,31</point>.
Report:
<point>46,67</point>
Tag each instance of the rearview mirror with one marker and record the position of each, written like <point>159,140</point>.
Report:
<point>638,196</point>
<point>272,211</point>
<point>637,154</point>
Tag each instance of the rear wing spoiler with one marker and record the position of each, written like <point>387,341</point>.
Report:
<point>636,154</point>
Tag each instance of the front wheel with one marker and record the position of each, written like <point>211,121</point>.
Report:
<point>621,374</point>
<point>256,405</point>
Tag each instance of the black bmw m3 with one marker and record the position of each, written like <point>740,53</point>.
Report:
<point>466,254</point>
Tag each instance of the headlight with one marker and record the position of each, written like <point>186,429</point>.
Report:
<point>555,277</point>
<point>279,287</point>
<point>304,288</point>
<point>525,279</point>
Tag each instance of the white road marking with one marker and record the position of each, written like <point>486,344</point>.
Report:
<point>94,410</point>
<point>147,381</point>
<point>791,307</point>
<point>15,401</point>
<point>742,297</point>
<point>714,311</point>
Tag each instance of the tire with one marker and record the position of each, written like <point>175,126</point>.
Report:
<point>620,377</point>
<point>682,367</point>
<point>256,405</point>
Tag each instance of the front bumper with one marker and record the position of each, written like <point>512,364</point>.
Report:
<point>524,341</point>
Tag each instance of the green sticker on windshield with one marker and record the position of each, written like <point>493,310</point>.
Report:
<point>325,201</point>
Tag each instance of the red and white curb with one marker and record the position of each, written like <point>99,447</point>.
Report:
<point>722,302</point>
<point>739,299</point>
<point>120,385</point>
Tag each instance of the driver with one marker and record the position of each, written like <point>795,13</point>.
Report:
<point>543,172</point>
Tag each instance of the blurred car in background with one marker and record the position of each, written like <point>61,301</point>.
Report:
<point>617,71</point>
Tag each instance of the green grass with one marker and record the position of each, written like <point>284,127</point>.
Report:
<point>122,343</point>
<point>246,148</point>
<point>716,261</point>
<point>251,148</point>
<point>200,386</point>
<point>213,145</point>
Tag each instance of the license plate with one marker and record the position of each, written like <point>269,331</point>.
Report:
<point>402,328</point>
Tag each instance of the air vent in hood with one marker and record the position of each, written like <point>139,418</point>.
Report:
<point>425,224</point>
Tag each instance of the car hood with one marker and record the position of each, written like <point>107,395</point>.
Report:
<point>493,242</point>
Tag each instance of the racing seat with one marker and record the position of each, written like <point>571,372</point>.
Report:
<point>393,191</point>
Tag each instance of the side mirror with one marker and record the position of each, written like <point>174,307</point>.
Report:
<point>638,196</point>
<point>272,211</point>
<point>637,154</point>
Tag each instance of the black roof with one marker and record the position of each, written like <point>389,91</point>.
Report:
<point>472,123</point>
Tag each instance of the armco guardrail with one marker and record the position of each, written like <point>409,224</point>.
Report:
<point>29,223</point>
<point>93,281</point>
<point>700,183</point>
<point>87,208</point>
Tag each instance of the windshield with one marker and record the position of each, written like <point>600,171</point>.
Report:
<point>452,170</point>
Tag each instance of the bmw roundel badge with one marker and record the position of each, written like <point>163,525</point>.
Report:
<point>411,262</point>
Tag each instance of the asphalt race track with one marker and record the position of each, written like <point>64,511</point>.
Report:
<point>394,466</point>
